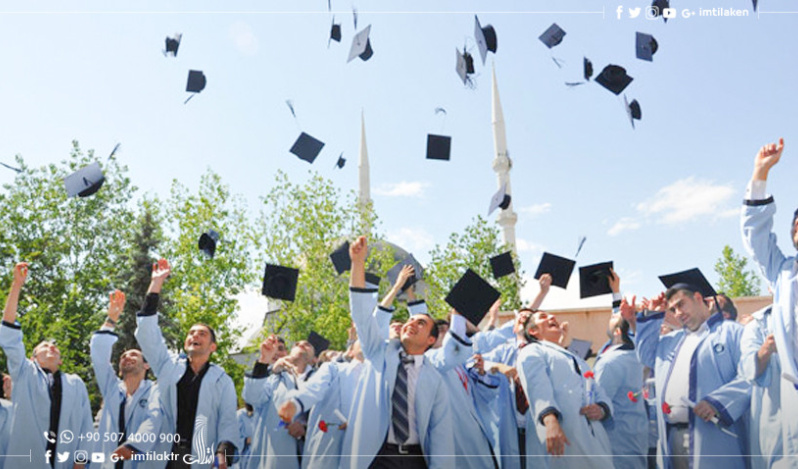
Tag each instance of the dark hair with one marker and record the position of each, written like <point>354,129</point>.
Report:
<point>728,306</point>
<point>213,333</point>
<point>680,287</point>
<point>623,325</point>
<point>441,322</point>
<point>527,335</point>
<point>433,331</point>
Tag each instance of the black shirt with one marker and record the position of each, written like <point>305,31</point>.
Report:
<point>188,389</point>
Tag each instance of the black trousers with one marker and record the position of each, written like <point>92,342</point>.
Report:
<point>399,457</point>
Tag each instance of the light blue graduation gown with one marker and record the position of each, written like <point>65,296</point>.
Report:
<point>618,371</point>
<point>143,417</point>
<point>215,419</point>
<point>5,429</point>
<point>764,416</point>
<point>272,446</point>
<point>31,408</point>
<point>246,428</point>
<point>371,413</point>
<point>552,383</point>
<point>713,377</point>
<point>781,273</point>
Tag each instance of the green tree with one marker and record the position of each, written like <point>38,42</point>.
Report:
<point>733,278</point>
<point>472,248</point>
<point>203,290</point>
<point>75,247</point>
<point>299,226</point>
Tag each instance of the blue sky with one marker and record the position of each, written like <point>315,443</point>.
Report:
<point>661,198</point>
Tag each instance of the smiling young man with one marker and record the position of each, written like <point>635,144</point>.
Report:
<point>198,398</point>
<point>131,407</point>
<point>697,364</point>
<point>401,412</point>
<point>46,401</point>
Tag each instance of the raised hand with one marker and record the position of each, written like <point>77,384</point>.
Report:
<point>404,275</point>
<point>615,282</point>
<point>116,304</point>
<point>20,274</point>
<point>628,310</point>
<point>545,282</point>
<point>160,271</point>
<point>268,349</point>
<point>358,250</point>
<point>766,158</point>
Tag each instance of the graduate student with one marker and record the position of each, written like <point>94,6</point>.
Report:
<point>565,409</point>
<point>779,270</point>
<point>402,408</point>
<point>275,445</point>
<point>700,396</point>
<point>46,401</point>
<point>197,398</point>
<point>131,408</point>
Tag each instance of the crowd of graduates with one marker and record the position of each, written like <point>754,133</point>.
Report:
<point>679,384</point>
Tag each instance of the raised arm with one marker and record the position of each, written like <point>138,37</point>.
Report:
<point>10,331</point>
<point>406,272</point>
<point>362,302</point>
<point>545,284</point>
<point>148,333</point>
<point>12,301</point>
<point>102,343</point>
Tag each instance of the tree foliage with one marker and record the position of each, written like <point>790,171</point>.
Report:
<point>299,226</point>
<point>733,278</point>
<point>472,248</point>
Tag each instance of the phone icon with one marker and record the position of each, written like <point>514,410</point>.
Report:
<point>49,436</point>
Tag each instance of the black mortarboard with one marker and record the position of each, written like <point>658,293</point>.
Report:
<point>464,65</point>
<point>207,243</point>
<point>580,348</point>
<point>692,279</point>
<point>172,44</point>
<point>633,111</point>
<point>552,36</point>
<point>85,181</point>
<point>502,264</point>
<point>660,5</point>
<point>501,199</point>
<point>372,280</point>
<point>614,78</point>
<point>280,282</point>
<point>11,167</point>
<point>307,148</point>
<point>393,273</point>
<point>341,161</point>
<point>335,32</point>
<point>755,2</point>
<point>486,39</point>
<point>340,258</point>
<point>558,267</point>
<point>361,45</point>
<point>645,46</point>
<point>438,147</point>
<point>587,66</point>
<point>196,81</point>
<point>594,280</point>
<point>472,296</point>
<point>318,342</point>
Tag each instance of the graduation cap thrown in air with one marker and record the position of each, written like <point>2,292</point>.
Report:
<point>85,181</point>
<point>633,111</point>
<point>361,46</point>
<point>307,148</point>
<point>486,39</point>
<point>692,278</point>
<point>464,65</point>
<point>319,342</point>
<point>501,199</point>
<point>280,282</point>
<point>438,147</point>
<point>645,46</point>
<point>558,267</point>
<point>614,78</point>
<point>207,243</point>
<point>502,264</point>
<point>341,161</point>
<point>335,32</point>
<point>340,258</point>
<point>472,296</point>
<point>580,348</point>
<point>196,83</point>
<point>594,280</point>
<point>552,36</point>
<point>172,44</point>
<point>658,7</point>
<point>393,273</point>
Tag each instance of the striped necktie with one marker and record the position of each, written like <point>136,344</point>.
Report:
<point>399,407</point>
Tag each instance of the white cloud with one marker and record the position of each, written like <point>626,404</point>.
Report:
<point>415,240</point>
<point>243,38</point>
<point>402,189</point>
<point>624,224</point>
<point>537,209</point>
<point>686,200</point>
